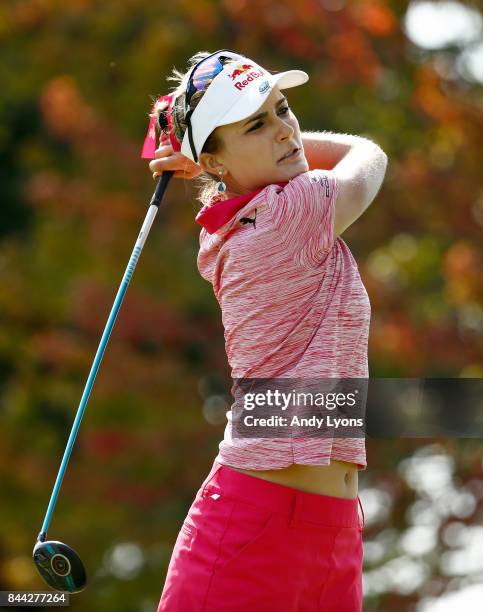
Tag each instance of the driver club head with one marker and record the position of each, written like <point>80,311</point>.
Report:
<point>60,566</point>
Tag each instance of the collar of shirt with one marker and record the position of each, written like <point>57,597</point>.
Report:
<point>217,213</point>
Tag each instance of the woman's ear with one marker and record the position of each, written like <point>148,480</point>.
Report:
<point>203,161</point>
<point>210,164</point>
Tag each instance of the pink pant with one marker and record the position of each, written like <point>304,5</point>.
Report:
<point>251,544</point>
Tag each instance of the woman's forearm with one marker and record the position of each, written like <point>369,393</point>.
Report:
<point>359,163</point>
<point>324,150</point>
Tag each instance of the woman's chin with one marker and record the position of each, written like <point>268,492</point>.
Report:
<point>290,171</point>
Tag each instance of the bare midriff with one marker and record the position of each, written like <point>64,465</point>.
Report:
<point>339,479</point>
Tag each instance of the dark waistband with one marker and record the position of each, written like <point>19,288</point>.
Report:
<point>300,506</point>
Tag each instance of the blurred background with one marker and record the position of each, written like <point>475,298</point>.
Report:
<point>77,82</point>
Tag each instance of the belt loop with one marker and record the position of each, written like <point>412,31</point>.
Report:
<point>362,510</point>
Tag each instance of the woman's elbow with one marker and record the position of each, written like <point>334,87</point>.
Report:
<point>375,175</point>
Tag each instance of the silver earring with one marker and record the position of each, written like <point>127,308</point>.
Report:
<point>220,186</point>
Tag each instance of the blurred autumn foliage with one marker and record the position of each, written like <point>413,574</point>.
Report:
<point>77,81</point>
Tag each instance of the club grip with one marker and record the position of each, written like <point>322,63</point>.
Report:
<point>161,187</point>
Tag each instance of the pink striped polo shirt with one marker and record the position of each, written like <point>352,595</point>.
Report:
<point>292,301</point>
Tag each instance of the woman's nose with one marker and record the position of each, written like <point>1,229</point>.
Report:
<point>285,130</point>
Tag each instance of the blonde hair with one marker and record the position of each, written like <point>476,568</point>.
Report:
<point>206,181</point>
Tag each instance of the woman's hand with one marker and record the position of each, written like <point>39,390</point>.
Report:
<point>167,159</point>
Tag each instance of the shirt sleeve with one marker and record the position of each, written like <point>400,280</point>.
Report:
<point>303,216</point>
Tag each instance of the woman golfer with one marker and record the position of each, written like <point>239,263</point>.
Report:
<point>275,525</point>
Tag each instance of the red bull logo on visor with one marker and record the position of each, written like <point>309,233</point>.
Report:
<point>242,69</point>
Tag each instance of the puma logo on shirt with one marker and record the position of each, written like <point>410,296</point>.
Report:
<point>246,220</point>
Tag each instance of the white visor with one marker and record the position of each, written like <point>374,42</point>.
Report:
<point>234,94</point>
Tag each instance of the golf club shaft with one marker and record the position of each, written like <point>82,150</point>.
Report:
<point>153,209</point>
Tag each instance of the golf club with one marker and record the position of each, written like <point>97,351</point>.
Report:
<point>58,564</point>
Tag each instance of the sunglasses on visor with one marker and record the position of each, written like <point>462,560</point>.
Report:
<point>203,72</point>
